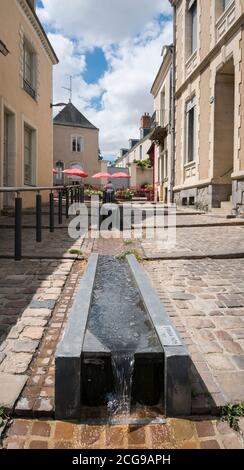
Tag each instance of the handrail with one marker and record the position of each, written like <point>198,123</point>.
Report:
<point>34,189</point>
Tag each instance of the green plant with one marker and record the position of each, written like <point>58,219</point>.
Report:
<point>144,164</point>
<point>231,413</point>
<point>75,251</point>
<point>130,252</point>
<point>128,242</point>
<point>3,416</point>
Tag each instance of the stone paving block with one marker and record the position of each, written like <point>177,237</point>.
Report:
<point>37,312</point>
<point>24,345</point>
<point>47,304</point>
<point>205,429</point>
<point>231,384</point>
<point>10,389</point>
<point>32,332</point>
<point>219,362</point>
<point>16,363</point>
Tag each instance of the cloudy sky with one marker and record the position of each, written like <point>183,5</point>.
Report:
<point>112,48</point>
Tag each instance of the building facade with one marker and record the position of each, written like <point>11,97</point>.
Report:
<point>26,131</point>
<point>162,137</point>
<point>209,107</point>
<point>76,145</point>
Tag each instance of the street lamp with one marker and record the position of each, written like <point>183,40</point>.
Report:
<point>3,48</point>
<point>57,104</point>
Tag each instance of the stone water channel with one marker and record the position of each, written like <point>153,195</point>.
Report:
<point>118,323</point>
<point>119,347</point>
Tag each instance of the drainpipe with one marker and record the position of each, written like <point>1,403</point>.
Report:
<point>173,89</point>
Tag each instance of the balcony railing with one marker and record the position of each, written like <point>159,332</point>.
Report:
<point>71,193</point>
<point>226,20</point>
<point>29,89</point>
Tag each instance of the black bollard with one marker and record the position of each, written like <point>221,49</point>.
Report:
<point>60,215</point>
<point>38,218</point>
<point>51,212</point>
<point>67,203</point>
<point>18,228</point>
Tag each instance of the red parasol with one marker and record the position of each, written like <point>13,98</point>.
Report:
<point>75,172</point>
<point>102,176</point>
<point>121,175</point>
<point>55,172</point>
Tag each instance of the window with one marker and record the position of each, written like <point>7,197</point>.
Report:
<point>29,79</point>
<point>29,157</point>
<point>190,130</point>
<point>77,143</point>
<point>226,3</point>
<point>140,152</point>
<point>162,114</point>
<point>59,177</point>
<point>193,16</point>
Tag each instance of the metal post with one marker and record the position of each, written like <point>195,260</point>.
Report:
<point>82,194</point>
<point>18,228</point>
<point>67,203</point>
<point>51,212</point>
<point>60,209</point>
<point>38,218</point>
<point>75,194</point>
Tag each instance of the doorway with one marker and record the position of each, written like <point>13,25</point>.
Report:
<point>224,133</point>
<point>9,157</point>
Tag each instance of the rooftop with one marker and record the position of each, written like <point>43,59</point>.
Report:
<point>72,117</point>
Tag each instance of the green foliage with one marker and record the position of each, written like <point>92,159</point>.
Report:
<point>130,252</point>
<point>128,242</point>
<point>93,192</point>
<point>125,194</point>
<point>144,164</point>
<point>231,413</point>
<point>75,251</point>
<point>3,417</point>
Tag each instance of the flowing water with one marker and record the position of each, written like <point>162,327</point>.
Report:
<point>120,323</point>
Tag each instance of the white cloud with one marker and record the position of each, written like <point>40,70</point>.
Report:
<point>131,38</point>
<point>101,22</point>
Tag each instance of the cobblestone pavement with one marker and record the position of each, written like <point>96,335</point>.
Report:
<point>177,433</point>
<point>199,241</point>
<point>205,299</point>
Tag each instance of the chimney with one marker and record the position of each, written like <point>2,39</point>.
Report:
<point>145,125</point>
<point>146,121</point>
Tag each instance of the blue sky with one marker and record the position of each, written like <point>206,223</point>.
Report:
<point>112,49</point>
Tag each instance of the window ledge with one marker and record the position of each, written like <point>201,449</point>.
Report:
<point>191,63</point>
<point>190,164</point>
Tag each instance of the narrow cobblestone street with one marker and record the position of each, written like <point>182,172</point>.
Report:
<point>204,298</point>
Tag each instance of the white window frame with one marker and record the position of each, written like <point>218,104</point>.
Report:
<point>77,137</point>
<point>194,40</point>
<point>31,180</point>
<point>140,153</point>
<point>191,105</point>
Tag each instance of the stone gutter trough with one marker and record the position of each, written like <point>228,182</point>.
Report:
<point>84,357</point>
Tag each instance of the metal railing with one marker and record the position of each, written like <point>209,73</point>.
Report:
<point>72,194</point>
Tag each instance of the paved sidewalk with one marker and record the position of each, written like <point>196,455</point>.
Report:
<point>176,434</point>
<point>204,297</point>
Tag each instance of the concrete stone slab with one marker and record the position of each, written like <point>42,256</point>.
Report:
<point>177,393</point>
<point>69,351</point>
<point>231,384</point>
<point>10,389</point>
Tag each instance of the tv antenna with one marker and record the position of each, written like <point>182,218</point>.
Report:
<point>70,89</point>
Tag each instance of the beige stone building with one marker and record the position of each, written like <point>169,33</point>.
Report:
<point>162,136</point>
<point>76,145</point>
<point>138,151</point>
<point>209,38</point>
<point>26,131</point>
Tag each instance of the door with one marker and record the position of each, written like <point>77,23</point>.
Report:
<point>9,157</point>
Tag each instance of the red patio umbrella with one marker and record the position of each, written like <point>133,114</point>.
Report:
<point>121,175</point>
<point>55,172</point>
<point>75,172</point>
<point>102,176</point>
